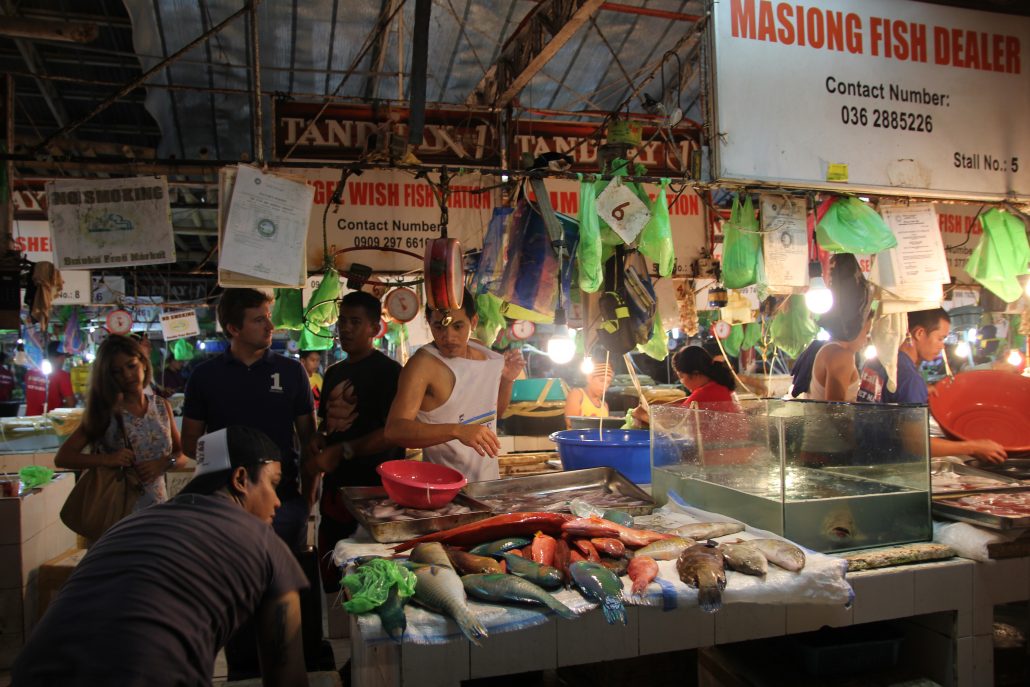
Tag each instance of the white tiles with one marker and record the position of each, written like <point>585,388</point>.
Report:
<point>810,617</point>
<point>683,628</point>
<point>882,594</point>
<point>964,662</point>
<point>946,586</point>
<point>740,622</point>
<point>534,648</point>
<point>590,639</point>
<point>435,665</point>
<point>997,582</point>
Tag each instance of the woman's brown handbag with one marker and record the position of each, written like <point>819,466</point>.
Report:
<point>101,497</point>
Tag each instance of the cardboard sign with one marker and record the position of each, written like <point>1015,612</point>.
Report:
<point>620,208</point>
<point>180,324</point>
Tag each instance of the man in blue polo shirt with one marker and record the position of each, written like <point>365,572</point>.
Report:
<point>927,330</point>
<point>252,386</point>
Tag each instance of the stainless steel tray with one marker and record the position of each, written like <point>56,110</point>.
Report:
<point>943,466</point>
<point>386,531</point>
<point>560,485</point>
<point>942,507</point>
<point>1016,468</point>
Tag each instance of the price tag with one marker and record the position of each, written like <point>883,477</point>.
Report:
<point>620,208</point>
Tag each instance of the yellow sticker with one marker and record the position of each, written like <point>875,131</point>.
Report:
<point>837,171</point>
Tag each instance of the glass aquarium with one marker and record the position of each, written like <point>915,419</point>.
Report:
<point>829,476</point>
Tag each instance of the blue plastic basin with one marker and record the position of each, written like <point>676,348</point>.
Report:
<point>626,450</point>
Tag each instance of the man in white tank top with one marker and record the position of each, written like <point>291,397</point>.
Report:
<point>450,394</point>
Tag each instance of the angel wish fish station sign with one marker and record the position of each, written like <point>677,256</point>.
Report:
<point>98,223</point>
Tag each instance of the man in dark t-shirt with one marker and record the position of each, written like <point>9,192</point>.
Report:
<point>162,591</point>
<point>357,393</point>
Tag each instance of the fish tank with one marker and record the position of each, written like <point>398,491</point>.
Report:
<point>829,476</point>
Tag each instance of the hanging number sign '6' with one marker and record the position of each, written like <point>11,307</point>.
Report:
<point>621,210</point>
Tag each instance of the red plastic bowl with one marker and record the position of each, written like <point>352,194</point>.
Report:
<point>985,404</point>
<point>418,484</point>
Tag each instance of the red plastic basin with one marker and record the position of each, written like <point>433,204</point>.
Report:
<point>985,404</point>
<point>417,484</point>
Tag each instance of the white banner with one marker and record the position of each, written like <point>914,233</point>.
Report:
<point>33,239</point>
<point>875,95</point>
<point>109,223</point>
<point>180,324</point>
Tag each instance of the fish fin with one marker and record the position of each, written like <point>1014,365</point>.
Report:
<point>471,627</point>
<point>676,498</point>
<point>613,610</point>
<point>709,591</point>
<point>561,609</point>
<point>669,598</point>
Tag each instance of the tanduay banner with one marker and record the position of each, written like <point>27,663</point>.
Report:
<point>883,96</point>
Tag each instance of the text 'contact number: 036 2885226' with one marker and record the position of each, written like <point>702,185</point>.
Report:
<point>886,119</point>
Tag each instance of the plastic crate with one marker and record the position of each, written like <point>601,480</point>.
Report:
<point>848,650</point>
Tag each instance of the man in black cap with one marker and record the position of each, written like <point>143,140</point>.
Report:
<point>162,591</point>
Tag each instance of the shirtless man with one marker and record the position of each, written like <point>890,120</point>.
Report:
<point>450,394</point>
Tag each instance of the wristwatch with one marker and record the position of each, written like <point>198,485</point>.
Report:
<point>171,464</point>
<point>347,450</point>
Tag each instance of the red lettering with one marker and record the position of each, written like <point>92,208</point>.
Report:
<point>766,28</point>
<point>918,38</point>
<point>853,25</point>
<point>941,54</point>
<point>786,30</point>
<point>815,28</point>
<point>742,18</point>
<point>1012,62</point>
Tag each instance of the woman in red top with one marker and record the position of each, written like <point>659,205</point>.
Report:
<point>710,383</point>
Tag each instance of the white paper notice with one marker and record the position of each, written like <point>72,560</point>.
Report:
<point>919,256</point>
<point>179,324</point>
<point>621,210</point>
<point>785,242</point>
<point>266,230</point>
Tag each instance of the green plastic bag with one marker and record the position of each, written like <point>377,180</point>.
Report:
<point>742,246</point>
<point>491,321</point>
<point>752,333</point>
<point>370,584</point>
<point>324,308</point>
<point>1001,256</point>
<point>852,226</point>
<point>793,328</point>
<point>588,252</point>
<point>314,338</point>
<point>396,333</point>
<point>657,346</point>
<point>288,309</point>
<point>33,476</point>
<point>655,240</point>
<point>732,342</point>
<point>182,349</point>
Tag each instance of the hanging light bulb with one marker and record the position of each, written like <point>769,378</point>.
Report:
<point>818,298</point>
<point>203,345</point>
<point>1014,358</point>
<point>962,350</point>
<point>587,366</point>
<point>46,368</point>
<point>561,347</point>
<point>823,335</point>
<point>870,352</point>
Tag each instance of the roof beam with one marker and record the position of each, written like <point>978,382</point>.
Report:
<point>69,32</point>
<point>542,34</point>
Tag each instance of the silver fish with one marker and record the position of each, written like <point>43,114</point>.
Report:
<point>744,559</point>
<point>665,549</point>
<point>781,553</point>
<point>431,552</point>
<point>440,589</point>
<point>702,531</point>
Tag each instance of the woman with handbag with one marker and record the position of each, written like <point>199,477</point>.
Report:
<point>130,430</point>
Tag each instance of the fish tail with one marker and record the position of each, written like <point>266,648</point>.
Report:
<point>470,626</point>
<point>558,607</point>
<point>613,610</point>
<point>709,595</point>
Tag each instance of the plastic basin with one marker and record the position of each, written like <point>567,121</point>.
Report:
<point>626,450</point>
<point>418,484</point>
<point>985,404</point>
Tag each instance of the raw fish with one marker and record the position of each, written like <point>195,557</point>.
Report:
<point>619,517</point>
<point>491,529</point>
<point>702,531</point>
<point>439,589</point>
<point>432,553</point>
<point>619,566</point>
<point>744,558</point>
<point>642,570</point>
<point>666,549</point>
<point>596,527</point>
<point>543,549</point>
<point>469,563</point>
<point>701,567</point>
<point>779,552</point>
<point>492,548</point>
<point>543,575</point>
<point>562,558</point>
<point>598,583</point>
<point>501,588</point>
<point>587,549</point>
<point>391,615</point>
<point>609,547</point>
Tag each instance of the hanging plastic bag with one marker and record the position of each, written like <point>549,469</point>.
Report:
<point>588,253</point>
<point>657,346</point>
<point>656,238</point>
<point>324,308</point>
<point>752,334</point>
<point>491,261</point>
<point>1001,256</point>
<point>793,328</point>
<point>742,245</point>
<point>370,584</point>
<point>32,476</point>
<point>288,309</point>
<point>491,321</point>
<point>317,339</point>
<point>182,349</point>
<point>731,344</point>
<point>851,226</point>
